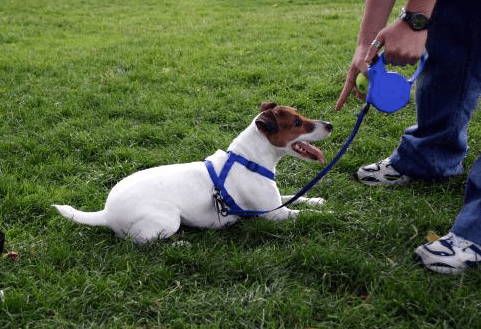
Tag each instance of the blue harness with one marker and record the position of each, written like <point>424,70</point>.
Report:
<point>224,203</point>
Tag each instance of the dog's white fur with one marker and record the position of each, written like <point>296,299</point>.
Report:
<point>153,203</point>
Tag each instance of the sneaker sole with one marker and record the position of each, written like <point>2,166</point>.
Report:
<point>386,179</point>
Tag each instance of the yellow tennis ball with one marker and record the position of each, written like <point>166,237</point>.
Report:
<point>361,83</point>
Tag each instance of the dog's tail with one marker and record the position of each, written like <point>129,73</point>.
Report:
<point>89,218</point>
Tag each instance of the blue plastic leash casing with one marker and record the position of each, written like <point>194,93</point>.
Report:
<point>389,91</point>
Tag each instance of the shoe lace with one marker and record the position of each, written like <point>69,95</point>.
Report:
<point>457,241</point>
<point>465,246</point>
<point>386,162</point>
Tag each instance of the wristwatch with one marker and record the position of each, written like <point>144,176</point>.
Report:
<point>416,21</point>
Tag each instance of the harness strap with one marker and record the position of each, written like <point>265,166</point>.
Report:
<point>252,166</point>
<point>225,203</point>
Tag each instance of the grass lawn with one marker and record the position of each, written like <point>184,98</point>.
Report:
<point>91,91</point>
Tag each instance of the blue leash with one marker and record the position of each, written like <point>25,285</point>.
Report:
<point>327,168</point>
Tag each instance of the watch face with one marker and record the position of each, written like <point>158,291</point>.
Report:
<point>418,21</point>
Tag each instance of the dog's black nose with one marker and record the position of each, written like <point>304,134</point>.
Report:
<point>328,126</point>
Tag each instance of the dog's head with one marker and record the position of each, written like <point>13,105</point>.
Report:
<point>285,128</point>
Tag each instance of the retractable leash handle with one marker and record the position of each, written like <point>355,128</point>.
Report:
<point>389,91</point>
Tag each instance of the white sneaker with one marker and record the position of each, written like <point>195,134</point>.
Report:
<point>450,254</point>
<point>381,173</point>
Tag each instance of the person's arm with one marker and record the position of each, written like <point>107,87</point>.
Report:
<point>376,14</point>
<point>424,7</point>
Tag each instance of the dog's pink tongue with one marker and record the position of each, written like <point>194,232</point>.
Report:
<point>309,151</point>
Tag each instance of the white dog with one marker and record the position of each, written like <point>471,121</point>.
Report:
<point>153,203</point>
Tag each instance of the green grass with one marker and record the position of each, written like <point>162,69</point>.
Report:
<point>91,91</point>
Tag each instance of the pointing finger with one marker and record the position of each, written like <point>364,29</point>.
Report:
<point>348,86</point>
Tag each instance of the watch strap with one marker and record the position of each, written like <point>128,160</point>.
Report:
<point>408,17</point>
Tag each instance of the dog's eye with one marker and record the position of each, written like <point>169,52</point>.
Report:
<point>297,123</point>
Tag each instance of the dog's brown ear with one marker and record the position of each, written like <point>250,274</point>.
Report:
<point>267,122</point>
<point>267,106</point>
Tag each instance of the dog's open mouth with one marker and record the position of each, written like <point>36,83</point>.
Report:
<point>308,151</point>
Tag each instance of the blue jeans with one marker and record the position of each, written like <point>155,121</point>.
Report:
<point>447,93</point>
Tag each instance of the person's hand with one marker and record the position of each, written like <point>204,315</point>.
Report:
<point>402,45</point>
<point>358,65</point>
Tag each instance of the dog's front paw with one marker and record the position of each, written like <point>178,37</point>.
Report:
<point>293,214</point>
<point>283,214</point>
<point>315,201</point>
